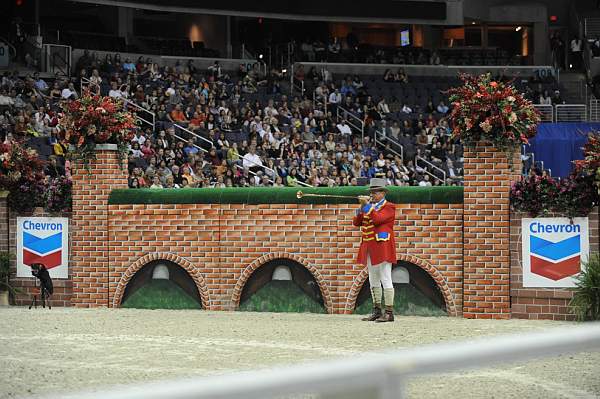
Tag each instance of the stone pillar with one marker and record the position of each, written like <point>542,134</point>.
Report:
<point>89,226</point>
<point>488,176</point>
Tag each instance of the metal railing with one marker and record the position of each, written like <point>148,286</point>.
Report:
<point>381,138</point>
<point>57,59</point>
<point>185,141</point>
<point>320,101</point>
<point>571,112</point>
<point>87,85</point>
<point>191,133</point>
<point>372,376</point>
<point>591,27</point>
<point>546,112</point>
<point>594,110</point>
<point>353,120</point>
<point>149,116</point>
<point>418,158</point>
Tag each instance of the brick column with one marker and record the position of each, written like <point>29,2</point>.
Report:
<point>486,284</point>
<point>89,226</point>
<point>4,225</point>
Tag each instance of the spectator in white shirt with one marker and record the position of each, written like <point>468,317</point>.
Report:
<point>344,129</point>
<point>251,160</point>
<point>576,53</point>
<point>114,91</point>
<point>406,109</point>
<point>69,92</point>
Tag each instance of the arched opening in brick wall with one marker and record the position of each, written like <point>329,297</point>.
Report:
<point>156,282</point>
<point>418,291</point>
<point>281,285</point>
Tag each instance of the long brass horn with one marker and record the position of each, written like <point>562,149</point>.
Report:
<point>301,194</point>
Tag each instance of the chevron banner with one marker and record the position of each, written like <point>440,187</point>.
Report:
<point>553,251</point>
<point>43,240</point>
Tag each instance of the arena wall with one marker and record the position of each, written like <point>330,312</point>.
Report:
<point>471,250</point>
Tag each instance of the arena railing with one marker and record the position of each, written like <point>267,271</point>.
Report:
<point>594,110</point>
<point>88,85</point>
<point>381,137</point>
<point>434,70</point>
<point>546,112</point>
<point>571,112</point>
<point>372,376</point>
<point>191,133</point>
<point>353,120</point>
<point>591,27</point>
<point>421,159</point>
<point>149,116</point>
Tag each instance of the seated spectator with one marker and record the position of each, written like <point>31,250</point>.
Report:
<point>156,182</point>
<point>406,109</point>
<point>251,160</point>
<point>545,98</point>
<point>388,76</point>
<point>556,98</point>
<point>442,108</point>
<point>401,76</point>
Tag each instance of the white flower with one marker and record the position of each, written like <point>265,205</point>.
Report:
<point>510,99</point>
<point>512,118</point>
<point>485,126</point>
<point>3,157</point>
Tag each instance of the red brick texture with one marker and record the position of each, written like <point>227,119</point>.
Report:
<point>486,285</point>
<point>540,303</point>
<point>471,250</point>
<point>225,243</point>
<point>90,235</point>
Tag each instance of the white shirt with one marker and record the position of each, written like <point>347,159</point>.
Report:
<point>251,160</point>
<point>115,93</point>
<point>575,45</point>
<point>344,129</point>
<point>335,98</point>
<point>66,93</point>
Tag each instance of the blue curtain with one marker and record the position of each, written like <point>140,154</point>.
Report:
<point>558,144</point>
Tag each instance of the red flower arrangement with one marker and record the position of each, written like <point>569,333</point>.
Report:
<point>94,120</point>
<point>22,175</point>
<point>590,164</point>
<point>484,109</point>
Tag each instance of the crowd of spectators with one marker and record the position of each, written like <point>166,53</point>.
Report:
<point>215,129</point>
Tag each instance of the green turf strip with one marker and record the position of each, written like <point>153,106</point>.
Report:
<point>282,195</point>
<point>281,296</point>
<point>161,294</point>
<point>408,301</point>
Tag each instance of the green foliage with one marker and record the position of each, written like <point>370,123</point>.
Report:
<point>281,296</point>
<point>161,294</point>
<point>282,195</point>
<point>408,301</point>
<point>586,301</point>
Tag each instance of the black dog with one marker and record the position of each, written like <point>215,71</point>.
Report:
<point>46,288</point>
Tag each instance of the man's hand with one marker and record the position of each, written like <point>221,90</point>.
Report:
<point>364,199</point>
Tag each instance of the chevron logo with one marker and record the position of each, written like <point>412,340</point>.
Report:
<point>47,251</point>
<point>555,260</point>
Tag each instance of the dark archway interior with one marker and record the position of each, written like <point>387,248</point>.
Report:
<point>419,279</point>
<point>300,276</point>
<point>177,274</point>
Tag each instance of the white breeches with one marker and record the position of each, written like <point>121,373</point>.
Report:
<point>380,275</point>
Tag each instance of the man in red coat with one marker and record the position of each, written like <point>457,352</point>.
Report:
<point>377,251</point>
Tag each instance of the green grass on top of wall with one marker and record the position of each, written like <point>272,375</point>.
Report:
<point>282,195</point>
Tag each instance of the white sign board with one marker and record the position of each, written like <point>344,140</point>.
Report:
<point>553,251</point>
<point>45,241</point>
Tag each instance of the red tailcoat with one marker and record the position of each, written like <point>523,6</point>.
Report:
<point>377,227</point>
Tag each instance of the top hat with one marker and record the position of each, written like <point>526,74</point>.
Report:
<point>378,184</point>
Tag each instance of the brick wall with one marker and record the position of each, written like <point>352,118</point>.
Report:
<point>488,175</point>
<point>89,226</point>
<point>3,221</point>
<point>221,245</point>
<point>540,303</point>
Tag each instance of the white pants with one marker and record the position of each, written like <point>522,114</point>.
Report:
<point>380,274</point>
